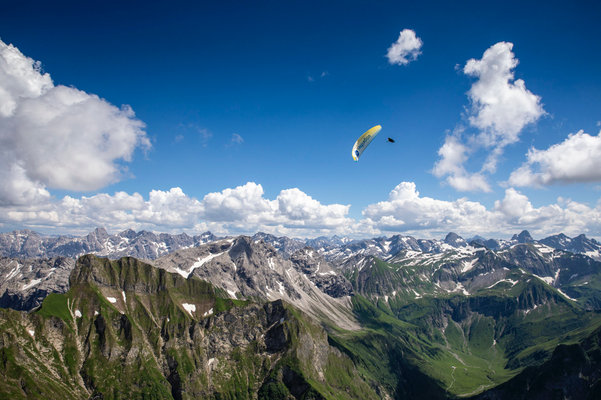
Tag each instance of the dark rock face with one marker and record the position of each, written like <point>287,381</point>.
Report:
<point>523,237</point>
<point>316,268</point>
<point>284,245</point>
<point>579,244</point>
<point>455,240</point>
<point>26,282</point>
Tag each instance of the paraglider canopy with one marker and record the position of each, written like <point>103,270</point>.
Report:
<point>364,141</point>
<point>391,140</point>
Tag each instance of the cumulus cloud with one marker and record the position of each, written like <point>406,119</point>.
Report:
<point>405,49</point>
<point>292,208</point>
<point>501,107</point>
<point>406,212</point>
<point>58,136</point>
<point>243,209</point>
<point>453,154</point>
<point>577,159</point>
<point>293,213</point>
<point>567,216</point>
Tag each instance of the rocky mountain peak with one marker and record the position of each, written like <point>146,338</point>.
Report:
<point>455,240</point>
<point>100,233</point>
<point>129,234</point>
<point>523,237</point>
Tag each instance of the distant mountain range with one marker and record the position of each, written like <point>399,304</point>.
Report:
<point>149,246</point>
<point>267,317</point>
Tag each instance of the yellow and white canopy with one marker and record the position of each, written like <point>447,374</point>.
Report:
<point>364,141</point>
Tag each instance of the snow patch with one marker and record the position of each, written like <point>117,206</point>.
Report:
<point>199,263</point>
<point>566,295</point>
<point>189,307</point>
<point>547,279</point>
<point>124,298</point>
<point>544,249</point>
<point>468,265</point>
<point>32,333</point>
<point>503,280</point>
<point>13,272</point>
<point>208,313</point>
<point>78,313</point>
<point>460,288</point>
<point>31,284</point>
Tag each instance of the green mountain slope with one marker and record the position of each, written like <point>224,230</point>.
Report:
<point>462,344</point>
<point>127,330</point>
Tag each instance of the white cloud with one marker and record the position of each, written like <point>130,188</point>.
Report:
<point>20,78</point>
<point>501,108</point>
<point>299,209</point>
<point>204,133</point>
<point>567,216</point>
<point>245,210</point>
<point>244,204</point>
<point>406,212</point>
<point>405,49</point>
<point>453,154</point>
<point>577,159</point>
<point>237,138</point>
<point>291,209</point>
<point>58,136</point>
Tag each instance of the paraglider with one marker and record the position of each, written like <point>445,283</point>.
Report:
<point>364,141</point>
<point>391,140</point>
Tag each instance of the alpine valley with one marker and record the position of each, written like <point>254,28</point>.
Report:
<point>138,315</point>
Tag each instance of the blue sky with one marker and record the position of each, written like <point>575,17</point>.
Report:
<point>237,117</point>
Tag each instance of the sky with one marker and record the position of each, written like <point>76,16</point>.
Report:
<point>238,117</point>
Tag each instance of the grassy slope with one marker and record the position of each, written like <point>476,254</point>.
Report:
<point>145,345</point>
<point>463,345</point>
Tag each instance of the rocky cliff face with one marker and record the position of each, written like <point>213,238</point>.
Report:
<point>242,268</point>
<point>310,263</point>
<point>128,330</point>
<point>24,283</point>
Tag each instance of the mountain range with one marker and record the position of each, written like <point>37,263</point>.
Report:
<point>264,317</point>
<point>149,246</point>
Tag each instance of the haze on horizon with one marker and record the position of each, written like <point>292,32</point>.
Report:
<point>240,119</point>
